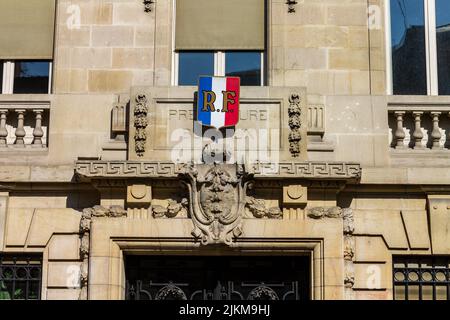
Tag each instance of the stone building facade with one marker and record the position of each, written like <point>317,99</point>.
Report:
<point>95,203</point>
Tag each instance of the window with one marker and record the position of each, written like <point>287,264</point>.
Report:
<point>229,41</point>
<point>420,47</point>
<point>443,44</point>
<point>421,278</point>
<point>244,64</point>
<point>20,277</point>
<point>191,65</point>
<point>26,77</point>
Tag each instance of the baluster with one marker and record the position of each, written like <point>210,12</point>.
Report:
<point>20,131</point>
<point>436,133</point>
<point>399,134</point>
<point>38,133</point>
<point>418,134</point>
<point>3,131</point>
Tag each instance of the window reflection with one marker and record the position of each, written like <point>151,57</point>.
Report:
<point>443,45</point>
<point>191,65</point>
<point>246,65</point>
<point>408,47</point>
<point>31,76</point>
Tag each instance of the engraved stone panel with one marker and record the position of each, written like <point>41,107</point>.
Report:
<point>172,133</point>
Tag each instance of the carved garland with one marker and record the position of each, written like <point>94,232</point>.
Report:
<point>295,123</point>
<point>259,210</point>
<point>140,124</point>
<point>349,252</point>
<point>85,235</point>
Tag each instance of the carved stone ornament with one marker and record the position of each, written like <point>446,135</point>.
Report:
<point>324,212</point>
<point>140,124</point>
<point>172,210</point>
<point>349,251</point>
<point>259,210</point>
<point>148,5</point>
<point>291,5</point>
<point>295,124</point>
<point>85,232</point>
<point>217,200</point>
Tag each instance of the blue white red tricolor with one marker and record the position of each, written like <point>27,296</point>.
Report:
<point>218,101</point>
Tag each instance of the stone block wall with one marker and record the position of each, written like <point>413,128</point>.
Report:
<point>326,45</point>
<point>115,46</point>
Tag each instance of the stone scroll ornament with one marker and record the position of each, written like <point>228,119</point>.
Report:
<point>295,124</point>
<point>217,200</point>
<point>140,124</point>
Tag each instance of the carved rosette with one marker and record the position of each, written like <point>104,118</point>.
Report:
<point>295,124</point>
<point>85,235</point>
<point>140,124</point>
<point>217,200</point>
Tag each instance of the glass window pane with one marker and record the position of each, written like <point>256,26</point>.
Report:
<point>413,292</point>
<point>246,65</point>
<point>443,45</point>
<point>427,293</point>
<point>399,293</point>
<point>31,76</point>
<point>441,293</point>
<point>408,47</point>
<point>192,65</point>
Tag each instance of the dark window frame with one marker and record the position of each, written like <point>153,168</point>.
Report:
<point>30,266</point>
<point>401,276</point>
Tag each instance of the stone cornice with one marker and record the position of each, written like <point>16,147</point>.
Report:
<point>150,169</point>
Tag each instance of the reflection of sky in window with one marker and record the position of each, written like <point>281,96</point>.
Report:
<point>404,14</point>
<point>191,65</point>
<point>242,61</point>
<point>34,69</point>
<point>442,12</point>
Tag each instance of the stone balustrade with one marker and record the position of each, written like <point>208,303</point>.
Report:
<point>23,124</point>
<point>423,125</point>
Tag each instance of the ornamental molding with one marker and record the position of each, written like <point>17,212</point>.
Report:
<point>348,229</point>
<point>140,124</point>
<point>295,123</point>
<point>85,234</point>
<point>88,170</point>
